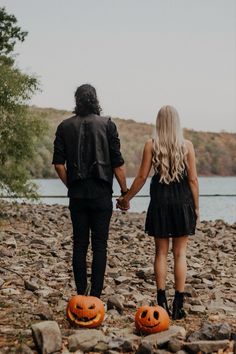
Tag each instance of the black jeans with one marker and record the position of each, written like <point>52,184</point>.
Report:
<point>90,215</point>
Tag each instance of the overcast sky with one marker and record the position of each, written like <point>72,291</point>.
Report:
<point>139,54</point>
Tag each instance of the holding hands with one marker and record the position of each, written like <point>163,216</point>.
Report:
<point>122,202</point>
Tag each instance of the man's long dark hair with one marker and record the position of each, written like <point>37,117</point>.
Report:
<point>86,101</point>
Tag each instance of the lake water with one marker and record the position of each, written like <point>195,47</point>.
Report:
<point>211,207</point>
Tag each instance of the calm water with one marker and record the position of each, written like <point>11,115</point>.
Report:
<point>211,208</point>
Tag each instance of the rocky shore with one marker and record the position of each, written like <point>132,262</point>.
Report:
<point>36,282</point>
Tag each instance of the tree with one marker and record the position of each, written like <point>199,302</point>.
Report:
<point>10,33</point>
<point>19,131</point>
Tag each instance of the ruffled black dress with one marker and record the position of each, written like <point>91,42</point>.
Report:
<point>171,210</point>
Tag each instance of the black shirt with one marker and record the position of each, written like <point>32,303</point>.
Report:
<point>89,188</point>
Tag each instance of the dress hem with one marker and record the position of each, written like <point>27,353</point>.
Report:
<point>172,236</point>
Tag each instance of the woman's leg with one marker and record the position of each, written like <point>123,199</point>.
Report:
<point>160,263</point>
<point>160,269</point>
<point>180,270</point>
<point>179,245</point>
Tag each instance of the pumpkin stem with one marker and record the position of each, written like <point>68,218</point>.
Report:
<point>87,291</point>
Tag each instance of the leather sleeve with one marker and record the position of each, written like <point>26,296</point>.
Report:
<point>114,145</point>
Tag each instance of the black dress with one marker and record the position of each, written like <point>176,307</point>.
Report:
<point>171,211</point>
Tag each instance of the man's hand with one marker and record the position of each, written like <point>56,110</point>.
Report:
<point>61,171</point>
<point>122,203</point>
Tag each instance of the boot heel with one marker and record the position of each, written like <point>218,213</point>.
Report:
<point>178,312</point>
<point>162,301</point>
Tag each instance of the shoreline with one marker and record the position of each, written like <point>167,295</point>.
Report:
<point>115,211</point>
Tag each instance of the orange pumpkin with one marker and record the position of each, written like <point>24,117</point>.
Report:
<point>85,311</point>
<point>152,319</point>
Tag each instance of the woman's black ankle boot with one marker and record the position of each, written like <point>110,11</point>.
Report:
<point>162,301</point>
<point>178,311</point>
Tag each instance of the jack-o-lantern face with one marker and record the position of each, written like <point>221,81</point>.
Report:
<point>152,319</point>
<point>85,311</point>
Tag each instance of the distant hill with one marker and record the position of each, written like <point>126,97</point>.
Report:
<point>215,152</point>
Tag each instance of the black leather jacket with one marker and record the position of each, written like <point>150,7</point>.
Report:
<point>89,146</point>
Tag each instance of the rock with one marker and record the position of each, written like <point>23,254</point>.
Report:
<point>122,279</point>
<point>44,312</point>
<point>207,346</point>
<point>139,297</point>
<point>24,349</point>
<point>175,345</point>
<point>1,282</point>
<point>115,302</point>
<point>109,290</point>
<point>47,292</point>
<point>100,347</point>
<point>145,348</point>
<point>141,274</point>
<point>161,338</point>
<point>47,336</point>
<point>10,291</point>
<point>189,290</point>
<point>85,339</point>
<point>197,309</point>
<point>10,242</point>
<point>31,285</point>
<point>5,252</point>
<point>130,304</point>
<point>123,344</point>
<point>211,331</point>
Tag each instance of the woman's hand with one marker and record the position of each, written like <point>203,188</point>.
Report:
<point>197,215</point>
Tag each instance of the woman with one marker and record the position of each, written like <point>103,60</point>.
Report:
<point>174,206</point>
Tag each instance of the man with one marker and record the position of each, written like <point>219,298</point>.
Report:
<point>86,155</point>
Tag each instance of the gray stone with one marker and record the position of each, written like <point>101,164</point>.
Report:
<point>210,331</point>
<point>175,345</point>
<point>31,285</point>
<point>130,304</point>
<point>1,282</point>
<point>189,290</point>
<point>100,347</point>
<point>115,302</point>
<point>165,336</point>
<point>44,312</point>
<point>122,279</point>
<point>10,291</point>
<point>85,339</point>
<point>47,336</point>
<point>11,242</point>
<point>197,309</point>
<point>207,346</point>
<point>118,343</point>
<point>24,349</point>
<point>145,348</point>
<point>47,292</point>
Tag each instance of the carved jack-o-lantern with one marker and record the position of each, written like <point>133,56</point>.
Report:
<point>152,319</point>
<point>85,311</point>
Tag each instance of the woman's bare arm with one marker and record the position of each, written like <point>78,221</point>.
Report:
<point>142,175</point>
<point>192,175</point>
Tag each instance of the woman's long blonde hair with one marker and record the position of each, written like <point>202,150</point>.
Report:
<point>169,150</point>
